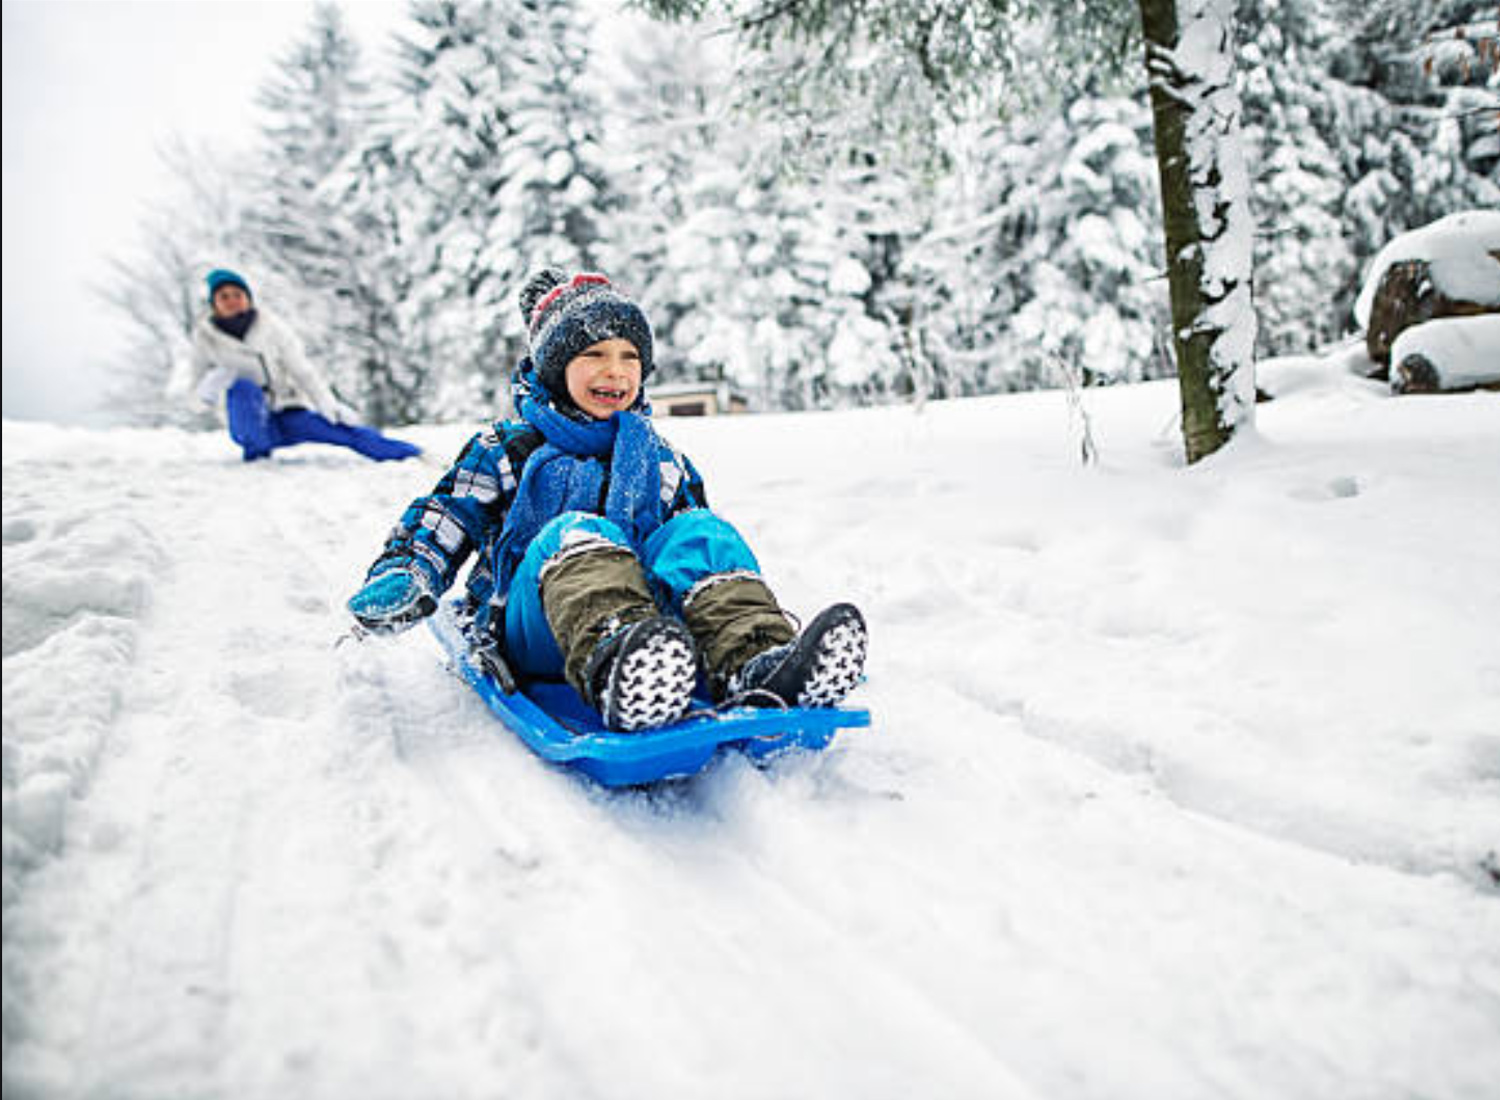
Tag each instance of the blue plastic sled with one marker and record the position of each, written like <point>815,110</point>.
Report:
<point>559,726</point>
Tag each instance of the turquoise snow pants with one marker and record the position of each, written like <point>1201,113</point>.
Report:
<point>676,556</point>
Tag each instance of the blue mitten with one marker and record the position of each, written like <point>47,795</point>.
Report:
<point>392,602</point>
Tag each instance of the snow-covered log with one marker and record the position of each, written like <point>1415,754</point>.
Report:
<point>1449,268</point>
<point>1451,353</point>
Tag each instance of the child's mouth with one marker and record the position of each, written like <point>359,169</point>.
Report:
<point>608,397</point>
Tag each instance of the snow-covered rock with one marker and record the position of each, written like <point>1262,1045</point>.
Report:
<point>1446,269</point>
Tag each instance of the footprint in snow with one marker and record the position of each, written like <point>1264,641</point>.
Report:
<point>1343,487</point>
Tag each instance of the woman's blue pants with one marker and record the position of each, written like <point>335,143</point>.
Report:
<point>260,431</point>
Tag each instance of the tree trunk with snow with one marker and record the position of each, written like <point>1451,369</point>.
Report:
<point>1205,196</point>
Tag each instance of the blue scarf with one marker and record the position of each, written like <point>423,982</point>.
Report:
<point>567,474</point>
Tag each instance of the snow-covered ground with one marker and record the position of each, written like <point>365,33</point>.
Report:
<point>1182,782</point>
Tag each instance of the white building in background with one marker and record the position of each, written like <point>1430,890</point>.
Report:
<point>696,399</point>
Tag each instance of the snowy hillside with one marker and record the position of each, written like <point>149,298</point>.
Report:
<point>1182,783</point>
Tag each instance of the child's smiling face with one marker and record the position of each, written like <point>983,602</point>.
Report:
<point>605,378</point>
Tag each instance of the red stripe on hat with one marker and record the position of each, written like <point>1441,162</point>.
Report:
<point>586,279</point>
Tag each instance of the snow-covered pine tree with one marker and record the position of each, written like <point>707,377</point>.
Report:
<point>876,202</point>
<point>1350,140</point>
<point>672,148</point>
<point>499,171</point>
<point>435,164</point>
<point>158,291</point>
<point>1460,57</point>
<point>1296,152</point>
<point>762,267</point>
<point>1047,246</point>
<point>804,320</point>
<point>703,228</point>
<point>1430,144</point>
<point>327,263</point>
<point>555,189</point>
<point>366,190</point>
<point>956,46</point>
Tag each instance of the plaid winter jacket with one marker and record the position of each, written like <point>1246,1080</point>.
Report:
<point>465,513</point>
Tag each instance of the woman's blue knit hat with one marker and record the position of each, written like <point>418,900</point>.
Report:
<point>563,316</point>
<point>222,276</point>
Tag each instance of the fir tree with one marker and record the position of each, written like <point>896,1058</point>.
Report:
<point>324,265</point>
<point>1351,140</point>
<point>1047,251</point>
<point>158,290</point>
<point>1189,58</point>
<point>768,271</point>
<point>498,167</point>
<point>1297,150</point>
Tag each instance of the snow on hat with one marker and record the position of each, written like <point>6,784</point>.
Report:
<point>222,276</point>
<point>563,316</point>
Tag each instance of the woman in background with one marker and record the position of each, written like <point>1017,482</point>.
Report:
<point>254,363</point>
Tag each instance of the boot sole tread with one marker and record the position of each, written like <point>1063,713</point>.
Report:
<point>652,684</point>
<point>838,666</point>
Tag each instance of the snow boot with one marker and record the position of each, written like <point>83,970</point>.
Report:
<point>733,616</point>
<point>642,675</point>
<point>816,669</point>
<point>635,667</point>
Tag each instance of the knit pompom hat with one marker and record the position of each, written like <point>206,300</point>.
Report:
<point>222,276</point>
<point>563,316</point>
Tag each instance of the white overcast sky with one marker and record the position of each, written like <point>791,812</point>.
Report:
<point>92,89</point>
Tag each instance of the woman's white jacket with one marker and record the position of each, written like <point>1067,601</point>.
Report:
<point>270,355</point>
